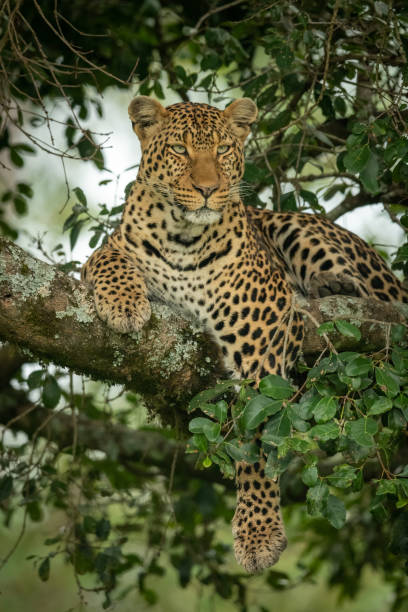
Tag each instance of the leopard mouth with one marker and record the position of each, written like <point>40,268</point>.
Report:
<point>205,215</point>
<point>202,216</point>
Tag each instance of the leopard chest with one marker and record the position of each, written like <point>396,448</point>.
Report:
<point>177,278</point>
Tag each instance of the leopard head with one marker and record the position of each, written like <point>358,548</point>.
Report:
<point>193,153</point>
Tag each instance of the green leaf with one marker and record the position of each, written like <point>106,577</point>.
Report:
<point>284,57</point>
<point>358,128</point>
<point>275,386</point>
<point>257,410</point>
<point>102,529</point>
<point>304,409</point>
<point>387,381</point>
<point>6,487</point>
<point>310,475</point>
<point>44,570</point>
<point>51,392</point>
<point>74,233</point>
<point>369,175</point>
<point>316,498</point>
<point>16,157</point>
<point>80,195</point>
<point>197,425</point>
<point>69,221</point>
<point>310,198</point>
<point>325,409</point>
<point>158,90</point>
<point>116,210</point>
<point>348,329</point>
<point>35,379</point>
<point>387,487</point>
<point>356,159</point>
<point>335,511</point>
<point>200,441</point>
<point>362,431</point>
<point>381,404</point>
<point>202,398</point>
<point>210,429</point>
<point>280,121</point>
<point>326,431</point>
<point>325,328</point>
<point>89,524</point>
<point>248,452</point>
<point>277,428</point>
<point>25,189</point>
<point>221,411</point>
<point>20,205</point>
<point>402,486</point>
<point>218,411</point>
<point>275,466</point>
<point>343,476</point>
<point>396,419</point>
<point>288,201</point>
<point>360,366</point>
<point>294,444</point>
<point>211,61</point>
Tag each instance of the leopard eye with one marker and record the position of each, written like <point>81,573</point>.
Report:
<point>179,149</point>
<point>222,149</point>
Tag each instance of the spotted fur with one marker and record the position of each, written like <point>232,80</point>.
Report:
<point>187,239</point>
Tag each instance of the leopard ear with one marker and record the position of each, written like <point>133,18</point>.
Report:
<point>241,114</point>
<point>146,116</point>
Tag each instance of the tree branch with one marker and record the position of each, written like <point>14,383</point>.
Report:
<point>52,315</point>
<point>350,202</point>
<point>145,452</point>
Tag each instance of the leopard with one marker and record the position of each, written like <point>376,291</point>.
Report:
<point>186,239</point>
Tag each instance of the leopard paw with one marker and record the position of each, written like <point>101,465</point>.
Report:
<point>121,315</point>
<point>326,283</point>
<point>258,546</point>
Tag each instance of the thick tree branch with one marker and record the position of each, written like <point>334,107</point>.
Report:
<point>52,315</point>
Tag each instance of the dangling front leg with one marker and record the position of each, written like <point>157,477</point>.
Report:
<point>257,526</point>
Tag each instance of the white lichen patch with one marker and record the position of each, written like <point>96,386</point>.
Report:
<point>161,311</point>
<point>345,308</point>
<point>34,278</point>
<point>179,354</point>
<point>164,312</point>
<point>81,314</point>
<point>118,358</point>
<point>84,312</point>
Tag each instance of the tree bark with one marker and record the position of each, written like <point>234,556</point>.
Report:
<point>52,315</point>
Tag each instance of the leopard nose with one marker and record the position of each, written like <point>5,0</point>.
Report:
<point>206,191</point>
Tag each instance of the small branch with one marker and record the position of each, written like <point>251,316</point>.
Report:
<point>350,202</point>
<point>143,451</point>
